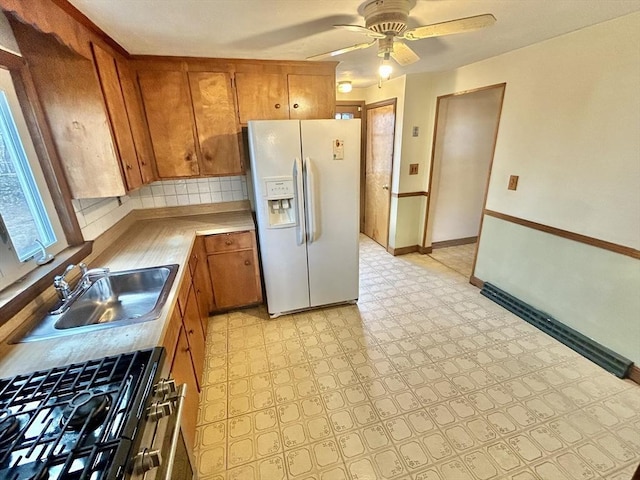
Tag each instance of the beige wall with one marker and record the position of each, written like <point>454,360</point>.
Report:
<point>569,129</point>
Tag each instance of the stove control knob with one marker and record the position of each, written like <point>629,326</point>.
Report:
<point>157,410</point>
<point>146,460</point>
<point>165,387</point>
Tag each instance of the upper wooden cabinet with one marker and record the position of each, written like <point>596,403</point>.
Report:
<point>73,104</point>
<point>311,96</point>
<point>262,96</point>
<point>114,99</point>
<point>277,96</point>
<point>167,103</point>
<point>219,133</point>
<point>137,121</point>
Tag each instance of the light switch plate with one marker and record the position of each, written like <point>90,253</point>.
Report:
<point>413,169</point>
<point>513,182</point>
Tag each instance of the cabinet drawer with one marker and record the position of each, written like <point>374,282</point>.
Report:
<point>228,242</point>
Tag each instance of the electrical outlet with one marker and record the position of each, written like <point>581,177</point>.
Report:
<point>416,131</point>
<point>413,169</point>
<point>513,182</point>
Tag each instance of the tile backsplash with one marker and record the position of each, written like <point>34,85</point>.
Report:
<point>96,215</point>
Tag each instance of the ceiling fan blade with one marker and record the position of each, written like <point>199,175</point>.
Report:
<point>460,25</point>
<point>357,46</point>
<point>360,29</point>
<point>403,54</point>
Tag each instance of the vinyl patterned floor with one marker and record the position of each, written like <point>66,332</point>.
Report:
<point>424,379</point>
<point>458,258</point>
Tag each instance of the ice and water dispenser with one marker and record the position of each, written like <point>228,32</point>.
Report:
<point>280,198</point>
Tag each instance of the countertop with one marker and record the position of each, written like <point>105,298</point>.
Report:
<point>145,243</point>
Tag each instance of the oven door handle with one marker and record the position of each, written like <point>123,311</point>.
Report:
<point>175,435</point>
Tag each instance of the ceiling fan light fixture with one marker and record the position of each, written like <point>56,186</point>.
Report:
<point>345,86</point>
<point>385,70</point>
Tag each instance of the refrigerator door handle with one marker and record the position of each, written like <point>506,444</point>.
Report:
<point>310,200</point>
<point>297,181</point>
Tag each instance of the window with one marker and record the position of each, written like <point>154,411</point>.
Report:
<point>344,116</point>
<point>27,214</point>
<point>21,206</point>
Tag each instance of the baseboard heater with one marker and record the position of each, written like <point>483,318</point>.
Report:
<point>585,346</point>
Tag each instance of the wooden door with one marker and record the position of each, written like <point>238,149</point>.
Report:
<point>378,164</point>
<point>311,96</point>
<point>137,121</point>
<point>191,322</point>
<point>167,104</point>
<point>233,276</point>
<point>202,281</point>
<point>262,96</point>
<point>182,371</point>
<point>217,124</point>
<point>110,83</point>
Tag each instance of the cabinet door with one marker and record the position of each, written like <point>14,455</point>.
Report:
<point>219,133</point>
<point>311,96</point>
<point>191,322</point>
<point>233,277</point>
<point>262,96</point>
<point>110,83</point>
<point>202,282</point>
<point>73,105</point>
<point>167,104</point>
<point>137,121</point>
<point>182,371</point>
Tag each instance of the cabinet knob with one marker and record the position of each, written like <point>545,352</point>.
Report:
<point>191,332</point>
<point>228,242</point>
<point>129,167</point>
<point>207,156</point>
<point>277,105</point>
<point>295,105</point>
<point>188,157</point>
<point>143,163</point>
<point>247,262</point>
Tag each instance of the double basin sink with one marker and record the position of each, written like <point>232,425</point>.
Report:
<point>115,299</point>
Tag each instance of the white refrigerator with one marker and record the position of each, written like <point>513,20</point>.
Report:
<point>305,177</point>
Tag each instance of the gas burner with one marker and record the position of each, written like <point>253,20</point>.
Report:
<point>88,408</point>
<point>9,426</point>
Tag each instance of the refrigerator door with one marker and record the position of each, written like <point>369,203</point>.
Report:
<point>274,147</point>
<point>333,208</point>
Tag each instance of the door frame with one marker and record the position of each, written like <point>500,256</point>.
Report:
<point>383,103</point>
<point>363,142</point>
<point>473,280</point>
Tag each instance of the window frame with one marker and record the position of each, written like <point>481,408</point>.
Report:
<point>16,296</point>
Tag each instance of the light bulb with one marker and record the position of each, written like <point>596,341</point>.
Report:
<point>385,71</point>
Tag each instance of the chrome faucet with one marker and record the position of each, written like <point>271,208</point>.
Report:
<point>66,294</point>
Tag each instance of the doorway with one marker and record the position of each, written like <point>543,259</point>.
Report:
<point>462,155</point>
<point>347,110</point>
<point>379,140</point>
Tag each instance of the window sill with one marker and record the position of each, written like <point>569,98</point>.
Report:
<point>18,295</point>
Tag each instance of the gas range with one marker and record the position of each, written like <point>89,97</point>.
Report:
<point>83,421</point>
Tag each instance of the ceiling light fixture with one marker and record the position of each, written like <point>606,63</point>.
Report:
<point>345,87</point>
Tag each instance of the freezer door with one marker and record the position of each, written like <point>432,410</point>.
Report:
<point>333,208</point>
<point>274,146</point>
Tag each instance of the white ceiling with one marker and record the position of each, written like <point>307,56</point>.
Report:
<point>296,29</point>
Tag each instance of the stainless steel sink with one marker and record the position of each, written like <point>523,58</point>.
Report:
<point>116,299</point>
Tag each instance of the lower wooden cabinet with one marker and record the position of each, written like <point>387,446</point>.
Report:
<point>182,371</point>
<point>234,269</point>
<point>195,337</point>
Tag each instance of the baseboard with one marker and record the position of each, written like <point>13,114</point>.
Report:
<point>634,373</point>
<point>455,242</point>
<point>403,250</point>
<point>476,282</point>
<point>425,250</point>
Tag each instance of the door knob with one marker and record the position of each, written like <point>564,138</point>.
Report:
<point>385,187</point>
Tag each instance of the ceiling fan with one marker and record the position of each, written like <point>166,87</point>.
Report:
<point>386,23</point>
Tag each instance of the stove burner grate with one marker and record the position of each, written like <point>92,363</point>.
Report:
<point>87,409</point>
<point>9,426</point>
